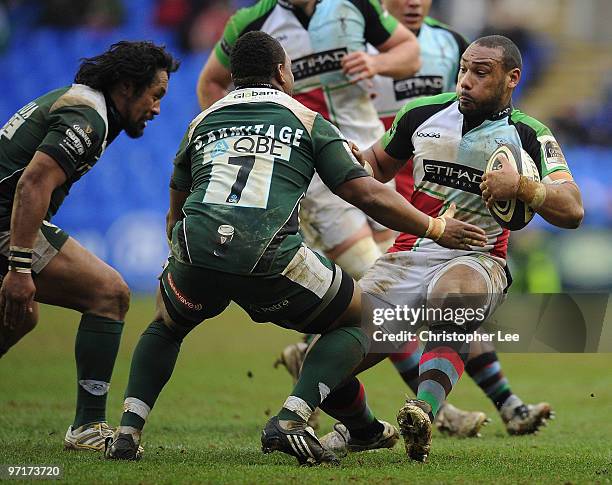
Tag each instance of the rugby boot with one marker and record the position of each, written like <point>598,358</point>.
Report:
<point>296,439</point>
<point>415,428</point>
<point>123,446</point>
<point>527,418</point>
<point>456,422</point>
<point>87,437</point>
<point>340,441</point>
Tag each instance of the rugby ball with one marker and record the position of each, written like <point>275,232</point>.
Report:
<point>513,214</point>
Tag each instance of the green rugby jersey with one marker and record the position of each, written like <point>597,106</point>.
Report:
<point>248,161</point>
<point>69,124</point>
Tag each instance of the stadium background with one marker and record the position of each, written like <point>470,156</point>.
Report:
<point>206,424</point>
<point>118,209</point>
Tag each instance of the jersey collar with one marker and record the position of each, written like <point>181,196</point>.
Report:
<point>502,114</point>
<point>471,123</point>
<point>302,18</point>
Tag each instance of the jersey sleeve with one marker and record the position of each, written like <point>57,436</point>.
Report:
<point>539,142</point>
<point>333,159</point>
<point>74,137</point>
<point>397,140</point>
<point>379,24</point>
<point>181,176</point>
<point>244,20</point>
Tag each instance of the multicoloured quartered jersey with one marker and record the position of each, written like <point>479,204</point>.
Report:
<point>449,158</point>
<point>248,161</point>
<point>69,124</point>
<point>441,50</point>
<point>316,46</point>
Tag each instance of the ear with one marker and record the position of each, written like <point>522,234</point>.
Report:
<point>279,75</point>
<point>126,88</point>
<point>514,76</point>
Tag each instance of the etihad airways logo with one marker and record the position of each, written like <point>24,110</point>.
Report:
<point>318,63</point>
<point>418,86</point>
<point>453,175</point>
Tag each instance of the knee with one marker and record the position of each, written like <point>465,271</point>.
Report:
<point>114,297</point>
<point>121,297</point>
<point>10,336</point>
<point>459,289</point>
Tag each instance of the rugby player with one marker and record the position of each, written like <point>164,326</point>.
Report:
<point>240,173</point>
<point>447,135</point>
<point>45,148</point>
<point>441,50</point>
<point>326,40</point>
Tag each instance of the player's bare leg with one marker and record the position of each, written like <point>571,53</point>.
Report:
<point>9,336</point>
<point>357,253</point>
<point>77,279</point>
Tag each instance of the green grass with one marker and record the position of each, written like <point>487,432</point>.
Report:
<point>205,427</point>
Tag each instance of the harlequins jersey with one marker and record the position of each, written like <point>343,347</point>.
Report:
<point>450,154</point>
<point>441,50</point>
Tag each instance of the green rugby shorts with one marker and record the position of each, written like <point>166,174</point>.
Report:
<point>308,295</point>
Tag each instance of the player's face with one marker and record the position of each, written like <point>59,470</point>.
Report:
<point>483,85</point>
<point>411,13</point>
<point>145,106</point>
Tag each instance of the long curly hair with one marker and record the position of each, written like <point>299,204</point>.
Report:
<point>136,62</point>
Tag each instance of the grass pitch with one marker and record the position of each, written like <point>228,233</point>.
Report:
<point>205,426</point>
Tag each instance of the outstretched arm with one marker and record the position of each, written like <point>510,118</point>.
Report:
<point>389,208</point>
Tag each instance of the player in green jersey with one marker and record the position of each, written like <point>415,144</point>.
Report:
<point>240,172</point>
<point>46,147</point>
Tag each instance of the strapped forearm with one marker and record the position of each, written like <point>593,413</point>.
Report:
<point>559,203</point>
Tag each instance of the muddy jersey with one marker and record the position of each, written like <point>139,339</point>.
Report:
<point>316,47</point>
<point>69,124</point>
<point>248,161</point>
<point>450,154</point>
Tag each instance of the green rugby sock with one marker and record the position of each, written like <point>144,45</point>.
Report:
<point>95,351</point>
<point>152,365</point>
<point>330,361</point>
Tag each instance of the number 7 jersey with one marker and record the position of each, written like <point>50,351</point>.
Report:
<point>248,161</point>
